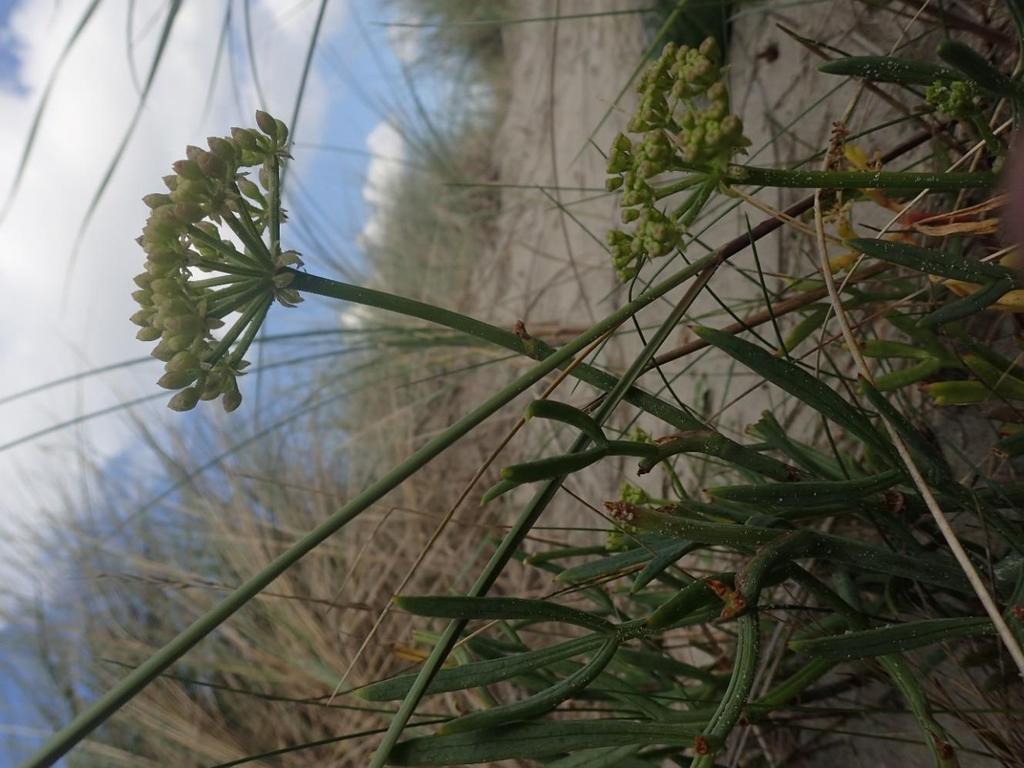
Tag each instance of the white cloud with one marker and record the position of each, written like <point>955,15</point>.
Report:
<point>387,150</point>
<point>42,336</point>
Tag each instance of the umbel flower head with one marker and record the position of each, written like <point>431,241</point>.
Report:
<point>684,121</point>
<point>216,224</point>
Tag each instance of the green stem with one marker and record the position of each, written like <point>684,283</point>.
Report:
<point>231,269</point>
<point>224,249</point>
<point>99,711</point>
<point>678,186</point>
<point>247,338</point>
<point>275,206</point>
<point>782,177</point>
<point>258,306</point>
<point>530,347</point>
<point>244,230</point>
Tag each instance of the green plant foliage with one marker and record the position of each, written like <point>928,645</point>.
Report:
<point>741,576</point>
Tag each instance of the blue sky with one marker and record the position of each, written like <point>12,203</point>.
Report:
<point>354,87</point>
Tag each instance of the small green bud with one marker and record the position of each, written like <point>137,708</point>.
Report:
<point>223,148</point>
<point>266,123</point>
<point>189,213</point>
<point>215,386</point>
<point>143,279</point>
<point>248,188</point>
<point>141,318</point>
<point>157,199</point>
<point>282,132</point>
<point>162,351</point>
<point>176,379</point>
<point>183,324</point>
<point>176,344</point>
<point>709,48</point>
<point>148,334</point>
<point>232,398</point>
<point>185,400</point>
<point>143,297</point>
<point>612,183</point>
<point>183,361</point>
<point>212,166</point>
<point>245,138</point>
<point>188,169</point>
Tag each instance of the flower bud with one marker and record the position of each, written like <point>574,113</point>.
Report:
<point>232,399</point>
<point>141,318</point>
<point>148,334</point>
<point>183,361</point>
<point>157,199</point>
<point>177,343</point>
<point>162,351</point>
<point>176,379</point>
<point>188,169</point>
<point>183,324</point>
<point>709,48</point>
<point>245,138</point>
<point>266,123</point>
<point>248,188</point>
<point>223,148</point>
<point>212,166</point>
<point>188,213</point>
<point>282,132</point>
<point>185,400</point>
<point>214,386</point>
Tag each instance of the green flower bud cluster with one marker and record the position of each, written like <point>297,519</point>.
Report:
<point>683,116</point>
<point>207,191</point>
<point>958,99</point>
<point>655,234</point>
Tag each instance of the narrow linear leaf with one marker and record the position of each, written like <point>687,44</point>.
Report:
<point>895,639</point>
<point>969,305</point>
<point>889,69</point>
<point>507,608</point>
<point>539,703</point>
<point>648,547</point>
<point>567,414</point>
<point>800,384</point>
<point>659,563</point>
<point>552,466</point>
<point>37,118</point>
<point>479,673</point>
<point>807,493</point>
<point>929,260</point>
<point>537,740</point>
